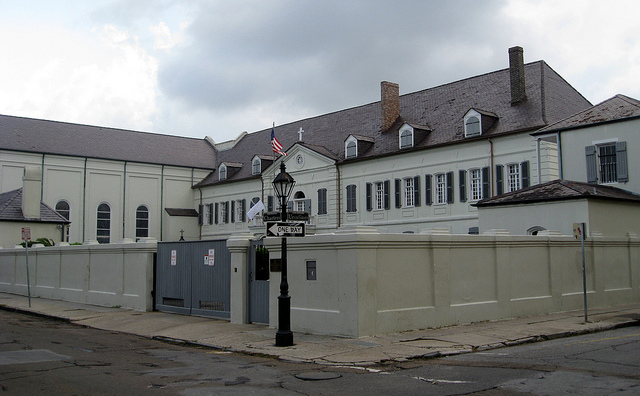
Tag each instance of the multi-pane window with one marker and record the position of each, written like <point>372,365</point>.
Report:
<point>406,138</point>
<point>351,149</point>
<point>103,225</point>
<point>239,210</point>
<point>64,210</point>
<point>513,177</point>
<point>441,188</point>
<point>472,126</point>
<point>142,222</point>
<point>351,198</point>
<point>408,192</point>
<point>379,196</point>
<point>222,212</point>
<point>222,172</point>
<point>607,162</point>
<point>475,177</point>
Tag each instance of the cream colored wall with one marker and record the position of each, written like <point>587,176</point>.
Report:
<point>108,275</point>
<point>369,283</point>
<point>11,232</point>
<point>574,143</point>
<point>124,186</point>
<point>608,218</point>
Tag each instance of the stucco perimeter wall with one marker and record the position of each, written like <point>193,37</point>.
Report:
<point>108,275</point>
<point>369,283</point>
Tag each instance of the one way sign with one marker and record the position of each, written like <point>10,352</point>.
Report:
<point>285,229</point>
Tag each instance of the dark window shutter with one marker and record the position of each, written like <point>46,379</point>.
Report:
<point>368,193</point>
<point>226,212</point>
<point>307,206</point>
<point>592,164</point>
<point>463,187</point>
<point>270,203</point>
<point>524,168</point>
<point>210,213</point>
<point>387,197</point>
<point>449,187</point>
<point>486,185</point>
<point>621,162</point>
<point>416,191</point>
<point>499,181</point>
<point>428,199</point>
<point>200,214</point>
<point>243,210</point>
<point>216,214</point>
<point>290,205</point>
<point>398,184</point>
<point>322,201</point>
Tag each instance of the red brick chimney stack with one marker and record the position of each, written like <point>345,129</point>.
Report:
<point>516,68</point>
<point>390,101</point>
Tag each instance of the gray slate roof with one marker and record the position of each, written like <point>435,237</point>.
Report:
<point>616,108</point>
<point>441,109</point>
<point>559,190</point>
<point>11,209</point>
<point>52,137</point>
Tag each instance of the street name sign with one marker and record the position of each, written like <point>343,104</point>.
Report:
<point>285,229</point>
<point>272,216</point>
<point>297,216</point>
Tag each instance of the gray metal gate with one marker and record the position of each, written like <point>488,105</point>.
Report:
<point>258,286</point>
<point>194,278</point>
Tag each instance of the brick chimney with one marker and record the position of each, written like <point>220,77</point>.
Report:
<point>31,187</point>
<point>390,103</point>
<point>516,70</point>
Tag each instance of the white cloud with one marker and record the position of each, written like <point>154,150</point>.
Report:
<point>101,77</point>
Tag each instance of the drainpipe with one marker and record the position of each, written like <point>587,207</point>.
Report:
<point>538,160</point>
<point>339,182</point>
<point>491,165</point>
<point>84,201</point>
<point>161,201</point>
<point>559,140</point>
<point>124,199</point>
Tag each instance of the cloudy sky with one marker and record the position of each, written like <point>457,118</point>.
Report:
<point>216,68</point>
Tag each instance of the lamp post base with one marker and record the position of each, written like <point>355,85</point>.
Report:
<point>284,338</point>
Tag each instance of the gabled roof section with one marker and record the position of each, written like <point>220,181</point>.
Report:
<point>61,138</point>
<point>617,108</point>
<point>559,190</point>
<point>11,210</point>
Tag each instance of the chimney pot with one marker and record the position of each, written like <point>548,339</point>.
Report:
<point>390,102</point>
<point>516,71</point>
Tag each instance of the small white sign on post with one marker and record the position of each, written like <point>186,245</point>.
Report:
<point>212,257</point>
<point>26,233</point>
<point>174,257</point>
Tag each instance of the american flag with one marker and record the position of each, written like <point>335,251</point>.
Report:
<point>275,144</point>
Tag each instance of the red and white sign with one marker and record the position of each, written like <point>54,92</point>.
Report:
<point>26,233</point>
<point>174,257</point>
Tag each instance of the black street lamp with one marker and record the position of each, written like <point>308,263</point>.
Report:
<point>283,184</point>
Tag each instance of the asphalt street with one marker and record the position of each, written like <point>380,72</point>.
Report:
<point>44,356</point>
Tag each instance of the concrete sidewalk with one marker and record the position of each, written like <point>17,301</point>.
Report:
<point>256,339</point>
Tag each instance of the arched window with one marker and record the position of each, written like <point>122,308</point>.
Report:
<point>142,222</point>
<point>103,227</point>
<point>351,149</point>
<point>222,172</point>
<point>298,201</point>
<point>256,166</point>
<point>406,138</point>
<point>64,210</point>
<point>472,126</point>
<point>535,230</point>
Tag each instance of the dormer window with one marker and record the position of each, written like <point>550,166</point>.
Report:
<point>406,136</point>
<point>256,166</point>
<point>222,172</point>
<point>351,148</point>
<point>472,126</point>
<point>478,122</point>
